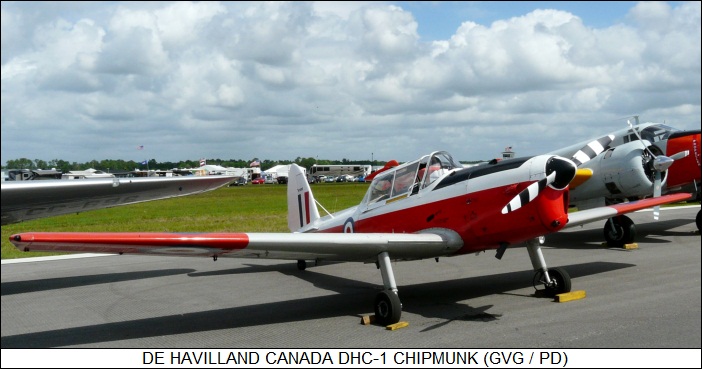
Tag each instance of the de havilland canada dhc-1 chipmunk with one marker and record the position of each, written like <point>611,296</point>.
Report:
<point>432,207</point>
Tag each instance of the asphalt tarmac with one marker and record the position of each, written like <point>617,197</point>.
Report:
<point>648,297</point>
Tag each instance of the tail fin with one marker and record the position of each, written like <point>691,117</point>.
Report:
<point>302,209</point>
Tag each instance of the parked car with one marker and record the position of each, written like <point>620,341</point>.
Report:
<point>282,179</point>
<point>259,180</point>
<point>241,181</point>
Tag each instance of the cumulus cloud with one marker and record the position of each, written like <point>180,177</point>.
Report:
<point>279,80</point>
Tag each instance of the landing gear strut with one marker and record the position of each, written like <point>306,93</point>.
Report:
<point>555,280</point>
<point>619,231</point>
<point>388,307</point>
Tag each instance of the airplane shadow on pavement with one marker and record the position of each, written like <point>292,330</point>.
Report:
<point>438,299</point>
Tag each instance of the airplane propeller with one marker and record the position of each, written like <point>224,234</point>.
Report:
<point>657,164</point>
<point>591,150</point>
<point>560,172</point>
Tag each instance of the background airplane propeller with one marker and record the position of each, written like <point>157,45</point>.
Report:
<point>591,150</point>
<point>656,164</point>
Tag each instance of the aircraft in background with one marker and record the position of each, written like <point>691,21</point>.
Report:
<point>643,160</point>
<point>33,199</point>
<point>428,208</point>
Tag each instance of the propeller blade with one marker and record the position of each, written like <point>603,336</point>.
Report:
<point>528,194</point>
<point>560,172</point>
<point>591,150</point>
<point>680,155</point>
<point>657,193</point>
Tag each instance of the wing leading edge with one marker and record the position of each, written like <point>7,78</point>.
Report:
<point>290,246</point>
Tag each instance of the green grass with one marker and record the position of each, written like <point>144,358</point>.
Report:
<point>251,208</point>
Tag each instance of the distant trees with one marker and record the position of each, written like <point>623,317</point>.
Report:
<point>125,166</point>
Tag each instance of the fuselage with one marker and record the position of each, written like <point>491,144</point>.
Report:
<point>467,201</point>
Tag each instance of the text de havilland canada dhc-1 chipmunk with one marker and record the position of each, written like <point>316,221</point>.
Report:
<point>428,208</point>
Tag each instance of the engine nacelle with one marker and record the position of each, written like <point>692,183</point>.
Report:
<point>619,173</point>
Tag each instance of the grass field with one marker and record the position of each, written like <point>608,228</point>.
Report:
<point>251,208</point>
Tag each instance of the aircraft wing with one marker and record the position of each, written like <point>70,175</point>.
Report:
<point>289,246</point>
<point>26,200</point>
<point>590,215</point>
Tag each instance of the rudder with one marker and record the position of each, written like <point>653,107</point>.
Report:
<point>302,209</point>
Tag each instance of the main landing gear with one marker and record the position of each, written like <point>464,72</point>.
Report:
<point>555,280</point>
<point>619,231</point>
<point>387,306</point>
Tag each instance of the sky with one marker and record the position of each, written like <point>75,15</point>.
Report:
<point>86,81</point>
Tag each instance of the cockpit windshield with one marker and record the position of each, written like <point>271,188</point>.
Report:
<point>439,164</point>
<point>407,179</point>
<point>657,132</point>
<point>652,133</point>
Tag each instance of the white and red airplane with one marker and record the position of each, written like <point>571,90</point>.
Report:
<point>429,208</point>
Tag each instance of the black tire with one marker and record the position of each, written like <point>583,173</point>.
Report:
<point>301,264</point>
<point>561,280</point>
<point>698,220</point>
<point>388,308</point>
<point>624,231</point>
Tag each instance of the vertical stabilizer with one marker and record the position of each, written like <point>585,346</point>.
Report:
<point>302,209</point>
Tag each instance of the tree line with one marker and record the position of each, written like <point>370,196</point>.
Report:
<point>130,165</point>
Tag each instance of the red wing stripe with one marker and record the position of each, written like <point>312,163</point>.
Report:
<point>224,241</point>
<point>628,207</point>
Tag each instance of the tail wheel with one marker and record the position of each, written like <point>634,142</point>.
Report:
<point>388,308</point>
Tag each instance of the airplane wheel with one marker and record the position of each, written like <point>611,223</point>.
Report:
<point>624,231</point>
<point>301,264</point>
<point>388,308</point>
<point>561,281</point>
<point>698,220</point>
